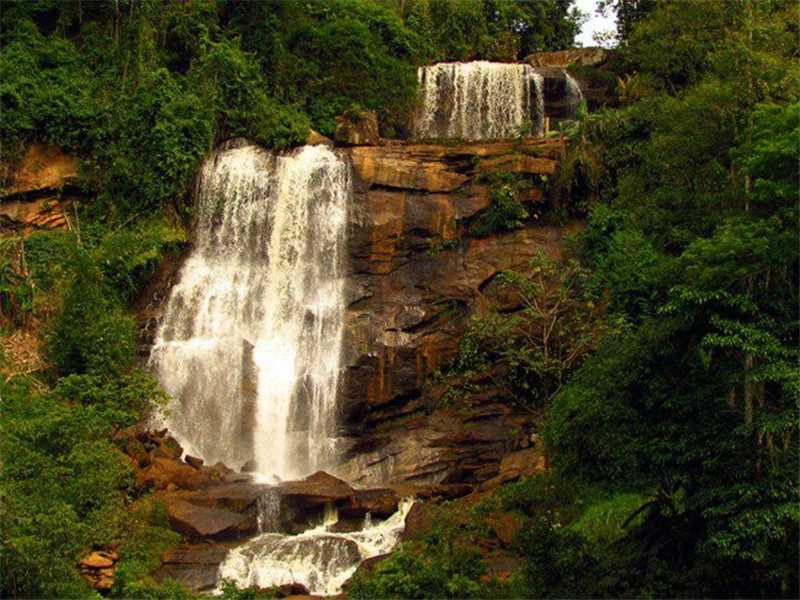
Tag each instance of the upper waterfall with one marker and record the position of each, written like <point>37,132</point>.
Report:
<point>479,101</point>
<point>250,344</point>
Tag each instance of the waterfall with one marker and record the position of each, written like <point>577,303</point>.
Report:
<point>479,101</point>
<point>250,344</point>
<point>320,558</point>
<point>573,93</point>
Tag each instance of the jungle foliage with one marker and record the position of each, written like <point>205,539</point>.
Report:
<point>141,91</point>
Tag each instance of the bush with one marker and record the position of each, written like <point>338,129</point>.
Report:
<point>92,334</point>
<point>62,485</point>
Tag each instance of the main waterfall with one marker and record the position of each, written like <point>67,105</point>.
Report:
<point>479,101</point>
<point>249,348</point>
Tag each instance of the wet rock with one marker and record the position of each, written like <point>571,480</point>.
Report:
<point>418,521</point>
<point>377,502</point>
<point>192,461</point>
<point>316,490</point>
<point>358,128</point>
<point>291,589</point>
<point>203,522</point>
<point>315,138</point>
<point>193,565</point>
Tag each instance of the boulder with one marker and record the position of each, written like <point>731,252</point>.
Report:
<point>161,472</point>
<point>193,461</point>
<point>357,128</point>
<point>316,490</point>
<point>43,167</point>
<point>377,502</point>
<point>202,522</point>
<point>97,560</point>
<point>315,138</point>
<point>193,565</point>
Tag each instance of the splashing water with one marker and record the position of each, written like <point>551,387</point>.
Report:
<point>573,93</point>
<point>250,344</point>
<point>319,559</point>
<point>479,100</point>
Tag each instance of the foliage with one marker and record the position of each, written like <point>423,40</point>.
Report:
<point>63,487</point>
<point>146,536</point>
<point>505,212</point>
<point>528,350</point>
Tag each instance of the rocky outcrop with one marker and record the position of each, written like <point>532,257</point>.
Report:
<point>416,279</point>
<point>359,128</point>
<point>39,191</point>
<point>194,565</point>
<point>584,57</point>
<point>97,568</point>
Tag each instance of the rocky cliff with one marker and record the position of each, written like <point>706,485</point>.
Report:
<point>417,277</point>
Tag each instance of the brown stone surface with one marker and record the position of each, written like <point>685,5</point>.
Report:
<point>439,168</point>
<point>358,129</point>
<point>316,490</point>
<point>416,280</point>
<point>315,138</point>
<point>193,565</point>
<point>585,57</point>
<point>42,167</point>
<point>202,522</point>
<point>96,560</point>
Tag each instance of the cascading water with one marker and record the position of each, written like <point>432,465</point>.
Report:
<point>573,93</point>
<point>320,559</point>
<point>479,101</point>
<point>250,344</point>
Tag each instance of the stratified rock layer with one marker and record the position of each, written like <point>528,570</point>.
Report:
<point>416,279</point>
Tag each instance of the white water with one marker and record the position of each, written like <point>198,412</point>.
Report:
<point>250,344</point>
<point>573,93</point>
<point>320,559</point>
<point>479,101</point>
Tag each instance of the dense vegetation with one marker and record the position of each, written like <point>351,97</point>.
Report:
<point>669,376</point>
<point>140,91</point>
<point>688,405</point>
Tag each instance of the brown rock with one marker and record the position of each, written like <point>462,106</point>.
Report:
<point>358,128</point>
<point>193,461</point>
<point>315,138</point>
<point>43,167</point>
<point>203,522</point>
<point>317,489</point>
<point>504,526</point>
<point>163,471</point>
<point>292,589</point>
<point>585,57</point>
<point>193,565</point>
<point>418,521</point>
<point>378,502</point>
<point>96,560</point>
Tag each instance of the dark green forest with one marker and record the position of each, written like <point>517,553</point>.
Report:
<point>672,439</point>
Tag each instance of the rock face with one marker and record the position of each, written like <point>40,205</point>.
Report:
<point>585,57</point>
<point>358,129</point>
<point>98,568</point>
<point>39,191</point>
<point>416,279</point>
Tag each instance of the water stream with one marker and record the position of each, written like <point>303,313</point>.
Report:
<point>250,345</point>
<point>479,100</point>
<point>320,558</point>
